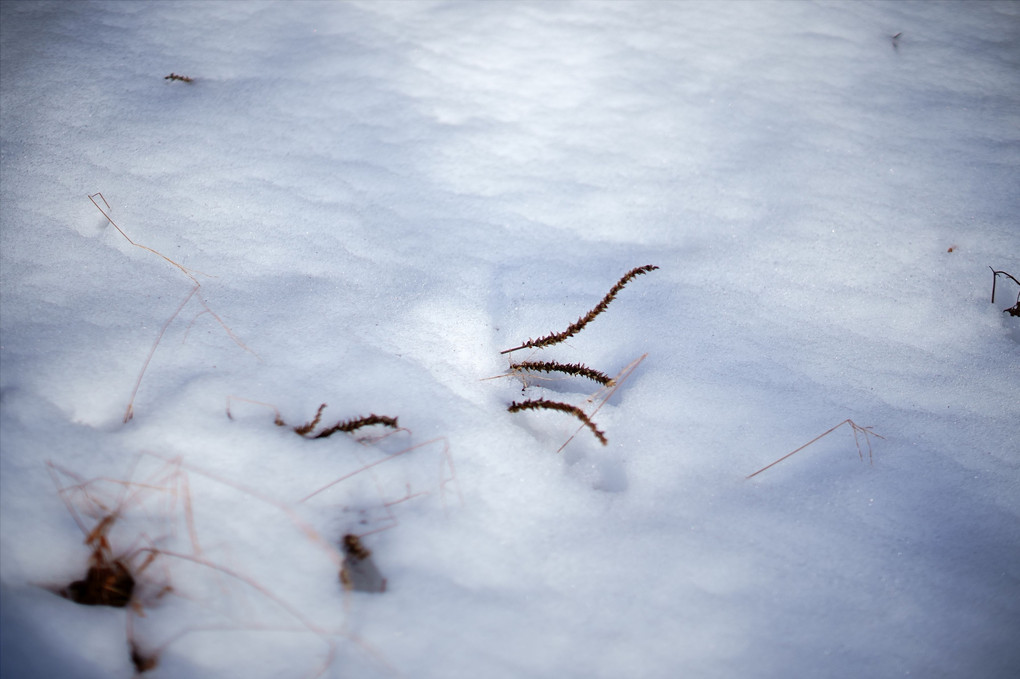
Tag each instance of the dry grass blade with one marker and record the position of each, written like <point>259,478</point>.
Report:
<point>129,411</point>
<point>301,524</point>
<point>603,395</point>
<point>857,429</point>
<point>187,272</point>
<point>544,404</point>
<point>447,461</point>
<point>576,327</point>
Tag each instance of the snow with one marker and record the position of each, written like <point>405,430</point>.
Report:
<point>382,196</point>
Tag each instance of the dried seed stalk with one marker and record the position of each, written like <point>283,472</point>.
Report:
<point>577,369</point>
<point>307,427</point>
<point>346,426</point>
<point>557,337</point>
<point>356,423</point>
<point>543,404</point>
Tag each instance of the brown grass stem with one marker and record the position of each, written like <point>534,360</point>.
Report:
<point>577,326</point>
<point>544,404</point>
<point>575,369</point>
<point>865,431</point>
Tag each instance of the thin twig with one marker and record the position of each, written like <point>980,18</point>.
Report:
<point>130,412</point>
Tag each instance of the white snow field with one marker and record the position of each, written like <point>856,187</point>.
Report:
<point>374,200</point>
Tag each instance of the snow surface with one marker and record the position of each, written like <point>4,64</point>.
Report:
<point>386,195</point>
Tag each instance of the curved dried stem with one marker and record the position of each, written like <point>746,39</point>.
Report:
<point>187,272</point>
<point>544,404</point>
<point>356,423</point>
<point>577,326</point>
<point>575,369</point>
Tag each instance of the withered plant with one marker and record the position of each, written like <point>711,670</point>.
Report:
<point>865,432</point>
<point>1015,309</point>
<point>346,426</point>
<point>112,575</point>
<point>573,369</point>
<point>600,397</point>
<point>114,578</point>
<point>306,430</point>
<point>331,635</point>
<point>359,572</point>
<point>525,369</point>
<point>182,78</point>
<point>191,274</point>
<point>543,404</point>
<point>577,326</point>
<point>116,575</point>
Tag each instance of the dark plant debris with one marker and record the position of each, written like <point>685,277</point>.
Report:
<point>1015,309</point>
<point>359,571</point>
<point>544,404</point>
<point>576,327</point>
<point>576,369</point>
<point>346,426</point>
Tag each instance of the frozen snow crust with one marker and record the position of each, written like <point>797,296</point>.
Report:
<point>377,198</point>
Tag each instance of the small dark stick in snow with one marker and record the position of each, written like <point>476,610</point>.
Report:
<point>359,571</point>
<point>182,78</point>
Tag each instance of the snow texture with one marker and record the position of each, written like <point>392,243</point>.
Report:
<point>376,198</point>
